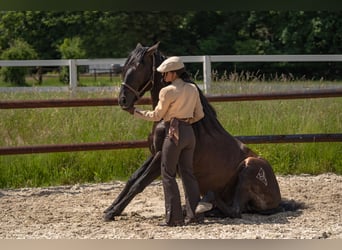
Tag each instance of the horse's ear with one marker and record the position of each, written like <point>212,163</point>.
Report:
<point>152,49</point>
<point>138,45</point>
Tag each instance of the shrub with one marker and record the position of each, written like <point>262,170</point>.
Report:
<point>18,50</point>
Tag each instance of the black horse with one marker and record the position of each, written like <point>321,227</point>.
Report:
<point>230,175</point>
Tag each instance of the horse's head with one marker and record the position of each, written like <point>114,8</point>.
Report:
<point>139,73</point>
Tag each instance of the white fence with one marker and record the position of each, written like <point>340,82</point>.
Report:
<point>206,60</point>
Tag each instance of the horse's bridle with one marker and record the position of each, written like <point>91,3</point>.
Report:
<point>140,93</point>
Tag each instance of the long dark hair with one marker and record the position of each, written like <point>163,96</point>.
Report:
<point>210,118</point>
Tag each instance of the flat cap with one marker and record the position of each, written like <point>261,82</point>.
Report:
<point>171,64</point>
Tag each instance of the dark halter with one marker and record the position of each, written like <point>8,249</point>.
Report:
<point>140,93</point>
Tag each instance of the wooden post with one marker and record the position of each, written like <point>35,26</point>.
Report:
<point>72,75</point>
<point>206,73</point>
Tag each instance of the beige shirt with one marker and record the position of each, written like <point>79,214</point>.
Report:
<point>177,100</point>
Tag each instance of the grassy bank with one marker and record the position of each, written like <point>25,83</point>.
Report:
<point>95,124</point>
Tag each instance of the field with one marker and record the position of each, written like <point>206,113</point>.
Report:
<point>96,124</point>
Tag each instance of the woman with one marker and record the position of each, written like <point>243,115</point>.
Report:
<point>179,106</point>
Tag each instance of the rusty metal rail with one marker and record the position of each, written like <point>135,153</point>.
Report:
<point>300,138</point>
<point>297,138</point>
<point>72,147</point>
<point>58,103</point>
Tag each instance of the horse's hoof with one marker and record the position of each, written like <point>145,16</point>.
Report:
<point>203,207</point>
<point>235,215</point>
<point>108,209</point>
<point>234,212</point>
<point>109,216</point>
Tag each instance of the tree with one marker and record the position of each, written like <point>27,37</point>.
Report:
<point>71,48</point>
<point>114,34</point>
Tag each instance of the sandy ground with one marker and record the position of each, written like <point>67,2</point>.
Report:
<point>75,212</point>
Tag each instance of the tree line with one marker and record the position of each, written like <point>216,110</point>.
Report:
<point>99,34</point>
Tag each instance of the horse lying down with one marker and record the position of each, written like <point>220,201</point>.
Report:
<point>231,176</point>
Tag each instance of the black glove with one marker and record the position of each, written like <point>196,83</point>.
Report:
<point>130,110</point>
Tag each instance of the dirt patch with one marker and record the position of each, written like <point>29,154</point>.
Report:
<point>75,212</point>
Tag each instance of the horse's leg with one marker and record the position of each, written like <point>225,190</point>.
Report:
<point>142,177</point>
<point>130,182</point>
<point>257,188</point>
<point>145,177</point>
<point>221,200</point>
<point>219,207</point>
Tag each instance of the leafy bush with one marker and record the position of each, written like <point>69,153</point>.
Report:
<point>71,48</point>
<point>18,50</point>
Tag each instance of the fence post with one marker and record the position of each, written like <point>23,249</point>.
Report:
<point>72,74</point>
<point>206,73</point>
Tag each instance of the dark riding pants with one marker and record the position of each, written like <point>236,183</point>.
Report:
<point>179,158</point>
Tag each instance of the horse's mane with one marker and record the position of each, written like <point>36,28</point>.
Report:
<point>134,58</point>
<point>209,123</point>
<point>137,55</point>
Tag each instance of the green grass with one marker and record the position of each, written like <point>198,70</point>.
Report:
<point>96,124</point>
<point>69,125</point>
<point>289,117</point>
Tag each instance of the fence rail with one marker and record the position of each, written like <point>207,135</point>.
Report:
<point>298,138</point>
<point>206,60</point>
<point>58,103</point>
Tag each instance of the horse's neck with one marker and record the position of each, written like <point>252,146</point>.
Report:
<point>155,91</point>
<point>158,85</point>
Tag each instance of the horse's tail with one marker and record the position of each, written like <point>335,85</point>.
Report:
<point>291,205</point>
<point>284,206</point>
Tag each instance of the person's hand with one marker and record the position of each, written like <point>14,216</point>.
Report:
<point>130,110</point>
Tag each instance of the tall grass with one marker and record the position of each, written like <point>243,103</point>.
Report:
<point>83,80</point>
<point>286,117</point>
<point>289,117</point>
<point>95,124</point>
